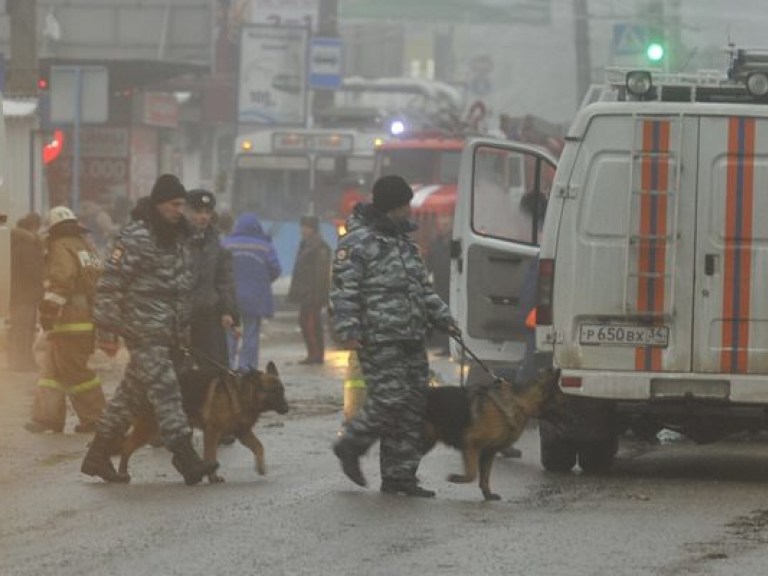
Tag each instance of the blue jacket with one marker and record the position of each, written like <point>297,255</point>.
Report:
<point>255,266</point>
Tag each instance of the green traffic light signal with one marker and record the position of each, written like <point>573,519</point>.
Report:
<point>654,52</point>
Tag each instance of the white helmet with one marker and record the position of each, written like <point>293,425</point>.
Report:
<point>60,214</point>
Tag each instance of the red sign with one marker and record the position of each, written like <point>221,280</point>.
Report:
<point>160,109</point>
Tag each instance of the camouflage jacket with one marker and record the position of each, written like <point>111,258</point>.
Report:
<point>380,290</point>
<point>145,291</point>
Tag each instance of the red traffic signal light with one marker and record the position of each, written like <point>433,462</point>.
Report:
<point>42,83</point>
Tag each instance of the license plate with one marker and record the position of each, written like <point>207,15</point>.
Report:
<point>623,335</point>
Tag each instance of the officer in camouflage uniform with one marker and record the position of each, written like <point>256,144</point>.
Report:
<point>382,305</point>
<point>144,295</point>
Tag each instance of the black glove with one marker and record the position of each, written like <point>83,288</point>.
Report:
<point>453,330</point>
<point>48,312</point>
<point>46,322</point>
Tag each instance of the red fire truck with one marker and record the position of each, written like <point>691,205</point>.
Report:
<point>430,164</point>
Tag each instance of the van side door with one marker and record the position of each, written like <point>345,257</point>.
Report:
<point>502,198</point>
<point>730,298</point>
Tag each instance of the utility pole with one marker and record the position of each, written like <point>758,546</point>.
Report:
<point>22,71</point>
<point>583,58</point>
<point>328,27</point>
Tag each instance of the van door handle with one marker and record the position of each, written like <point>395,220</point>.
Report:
<point>710,263</point>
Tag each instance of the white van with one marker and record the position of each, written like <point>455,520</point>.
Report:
<point>653,270</point>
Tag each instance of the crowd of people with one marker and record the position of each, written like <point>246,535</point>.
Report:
<point>171,287</point>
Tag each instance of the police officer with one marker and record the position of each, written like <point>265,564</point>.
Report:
<point>72,270</point>
<point>213,297</point>
<point>382,305</point>
<point>144,295</point>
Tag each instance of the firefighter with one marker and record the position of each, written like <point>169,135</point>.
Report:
<point>145,296</point>
<point>382,306</point>
<point>71,273</point>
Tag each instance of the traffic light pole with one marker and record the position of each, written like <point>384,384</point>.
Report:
<point>583,58</point>
<point>77,120</point>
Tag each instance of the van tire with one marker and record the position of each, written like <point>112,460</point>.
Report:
<point>596,456</point>
<point>557,454</point>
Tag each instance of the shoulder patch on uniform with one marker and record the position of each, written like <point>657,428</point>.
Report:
<point>117,254</point>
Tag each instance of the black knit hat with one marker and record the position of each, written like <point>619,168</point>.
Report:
<point>199,199</point>
<point>391,192</point>
<point>310,222</point>
<point>167,187</point>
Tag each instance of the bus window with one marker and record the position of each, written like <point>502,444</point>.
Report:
<point>272,190</point>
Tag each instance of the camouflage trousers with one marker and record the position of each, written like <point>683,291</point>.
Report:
<point>149,383</point>
<point>396,377</point>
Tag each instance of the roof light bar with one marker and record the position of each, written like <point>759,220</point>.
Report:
<point>639,83</point>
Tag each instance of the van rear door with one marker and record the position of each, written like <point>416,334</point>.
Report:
<point>730,299</point>
<point>502,198</point>
<point>624,263</point>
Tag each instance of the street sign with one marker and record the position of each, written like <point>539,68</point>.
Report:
<point>272,85</point>
<point>326,63</point>
<point>629,39</point>
<point>89,84</point>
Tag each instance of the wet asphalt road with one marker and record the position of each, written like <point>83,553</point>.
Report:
<point>674,509</point>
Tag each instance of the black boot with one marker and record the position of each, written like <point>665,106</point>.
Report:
<point>97,461</point>
<point>350,463</point>
<point>188,463</point>
<point>406,488</point>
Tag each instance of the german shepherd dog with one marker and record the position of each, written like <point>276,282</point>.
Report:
<point>219,403</point>
<point>482,420</point>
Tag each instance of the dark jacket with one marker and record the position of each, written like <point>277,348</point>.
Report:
<point>311,280</point>
<point>27,267</point>
<point>145,291</point>
<point>380,291</point>
<point>255,266</point>
<point>214,290</point>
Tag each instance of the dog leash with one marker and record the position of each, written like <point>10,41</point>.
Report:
<point>200,356</point>
<point>465,349</point>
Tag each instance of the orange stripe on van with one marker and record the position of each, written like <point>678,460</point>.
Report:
<point>652,253</point>
<point>737,265</point>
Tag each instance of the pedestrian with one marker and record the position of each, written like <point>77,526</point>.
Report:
<point>27,275</point>
<point>255,266</point>
<point>145,296</point>
<point>226,223</point>
<point>72,270</point>
<point>382,305</point>
<point>439,265</point>
<point>310,286</point>
<point>213,297</point>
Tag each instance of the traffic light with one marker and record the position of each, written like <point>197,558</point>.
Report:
<point>654,51</point>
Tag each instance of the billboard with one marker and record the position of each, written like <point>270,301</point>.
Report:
<point>272,82</point>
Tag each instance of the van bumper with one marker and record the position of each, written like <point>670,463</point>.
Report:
<point>666,386</point>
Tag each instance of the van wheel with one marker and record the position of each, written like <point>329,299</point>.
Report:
<point>596,456</point>
<point>558,454</point>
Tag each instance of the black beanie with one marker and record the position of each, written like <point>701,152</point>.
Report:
<point>391,192</point>
<point>167,187</point>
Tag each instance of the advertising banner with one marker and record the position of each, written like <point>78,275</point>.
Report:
<point>272,86</point>
<point>285,12</point>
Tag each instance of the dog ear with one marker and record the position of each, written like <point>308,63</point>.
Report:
<point>271,368</point>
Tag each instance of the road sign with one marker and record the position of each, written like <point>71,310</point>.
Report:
<point>89,84</point>
<point>629,39</point>
<point>326,63</point>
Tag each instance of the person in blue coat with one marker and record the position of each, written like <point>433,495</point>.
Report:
<point>255,266</point>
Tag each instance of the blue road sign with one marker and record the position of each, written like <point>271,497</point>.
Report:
<point>326,63</point>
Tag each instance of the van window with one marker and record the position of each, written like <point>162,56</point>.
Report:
<point>510,194</point>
